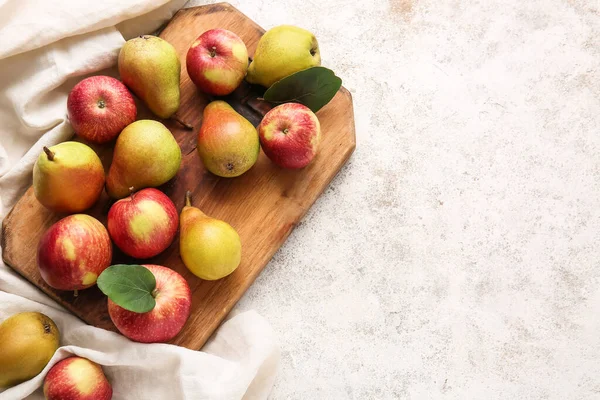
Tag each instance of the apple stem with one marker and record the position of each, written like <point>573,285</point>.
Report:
<point>49,153</point>
<point>154,293</point>
<point>76,293</point>
<point>182,122</point>
<point>188,198</point>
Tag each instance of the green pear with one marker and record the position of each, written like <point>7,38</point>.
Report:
<point>150,67</point>
<point>146,155</point>
<point>210,248</point>
<point>68,177</point>
<point>28,341</point>
<point>282,51</point>
<point>228,143</point>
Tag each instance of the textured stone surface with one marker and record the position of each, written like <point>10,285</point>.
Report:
<point>456,255</point>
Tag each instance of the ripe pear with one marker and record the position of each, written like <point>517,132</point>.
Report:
<point>210,248</point>
<point>150,67</point>
<point>227,142</point>
<point>28,341</point>
<point>146,155</point>
<point>68,177</point>
<point>282,51</point>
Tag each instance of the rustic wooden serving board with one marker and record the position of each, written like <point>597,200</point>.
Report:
<point>263,205</point>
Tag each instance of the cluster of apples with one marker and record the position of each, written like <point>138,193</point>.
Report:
<point>289,134</point>
<point>28,340</point>
<point>143,222</point>
<point>69,178</point>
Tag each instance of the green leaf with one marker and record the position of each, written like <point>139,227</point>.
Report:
<point>314,87</point>
<point>129,286</point>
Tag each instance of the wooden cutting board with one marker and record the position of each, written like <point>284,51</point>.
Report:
<point>263,205</point>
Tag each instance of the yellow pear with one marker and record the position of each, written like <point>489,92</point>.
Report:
<point>146,155</point>
<point>282,51</point>
<point>209,247</point>
<point>68,177</point>
<point>150,67</point>
<point>28,341</point>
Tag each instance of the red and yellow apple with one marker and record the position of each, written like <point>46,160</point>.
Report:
<point>173,302</point>
<point>99,107</point>
<point>217,62</point>
<point>290,134</point>
<point>143,224</point>
<point>76,378</point>
<point>73,252</point>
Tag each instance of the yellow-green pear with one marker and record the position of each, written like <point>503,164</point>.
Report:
<point>210,248</point>
<point>146,155</point>
<point>282,51</point>
<point>150,67</point>
<point>28,341</point>
<point>68,177</point>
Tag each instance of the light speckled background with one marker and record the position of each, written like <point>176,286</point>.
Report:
<point>456,255</point>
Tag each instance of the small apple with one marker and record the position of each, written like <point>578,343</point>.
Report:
<point>143,224</point>
<point>99,107</point>
<point>76,378</point>
<point>73,252</point>
<point>217,62</point>
<point>290,134</point>
<point>161,324</point>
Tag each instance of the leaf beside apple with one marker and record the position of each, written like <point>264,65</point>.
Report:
<point>314,87</point>
<point>129,286</point>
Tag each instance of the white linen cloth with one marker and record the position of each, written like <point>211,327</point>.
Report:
<point>45,49</point>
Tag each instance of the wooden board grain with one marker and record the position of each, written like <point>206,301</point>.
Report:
<point>263,205</point>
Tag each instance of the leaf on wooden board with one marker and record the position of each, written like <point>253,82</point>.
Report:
<point>129,286</point>
<point>314,87</point>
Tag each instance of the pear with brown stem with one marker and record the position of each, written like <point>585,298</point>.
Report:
<point>210,248</point>
<point>68,177</point>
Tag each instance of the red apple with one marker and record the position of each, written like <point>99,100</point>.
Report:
<point>173,301</point>
<point>143,224</point>
<point>73,252</point>
<point>290,135</point>
<point>217,62</point>
<point>76,378</point>
<point>99,108</point>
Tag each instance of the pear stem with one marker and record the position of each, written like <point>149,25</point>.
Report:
<point>182,122</point>
<point>188,198</point>
<point>49,153</point>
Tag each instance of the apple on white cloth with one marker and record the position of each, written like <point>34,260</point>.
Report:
<point>64,41</point>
